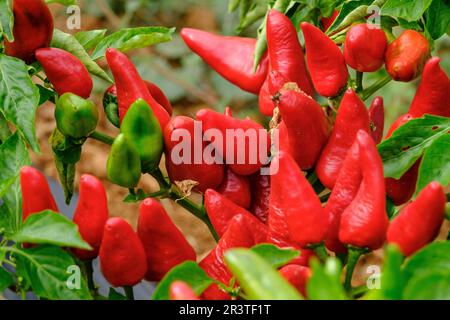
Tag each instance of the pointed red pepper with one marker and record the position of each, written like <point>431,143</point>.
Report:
<point>306,124</point>
<point>36,194</point>
<point>208,173</point>
<point>238,139</point>
<point>364,222</point>
<point>295,214</point>
<point>231,57</point>
<point>122,256</point>
<point>260,188</point>
<point>433,94</point>
<point>352,116</point>
<point>164,244</point>
<point>420,221</point>
<point>236,188</point>
<point>298,276</point>
<point>326,62</point>
<point>91,215</point>
<point>131,87</point>
<point>376,117</point>
<point>179,290</point>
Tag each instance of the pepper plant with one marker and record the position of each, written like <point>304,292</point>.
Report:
<point>290,225</point>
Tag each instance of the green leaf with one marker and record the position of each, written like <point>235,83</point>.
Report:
<point>434,285</point>
<point>435,164</point>
<point>350,12</point>
<point>393,279</point>
<point>47,270</point>
<point>434,257</point>
<point>6,279</point>
<point>325,283</point>
<point>48,227</point>
<point>89,39</point>
<point>408,143</point>
<point>275,256</point>
<point>19,98</point>
<point>133,38</point>
<point>44,94</point>
<point>410,10</point>
<point>7,19</point>
<point>63,2</point>
<point>114,295</point>
<point>258,279</point>
<point>5,131</point>
<point>69,43</point>
<point>190,273</point>
<point>438,18</point>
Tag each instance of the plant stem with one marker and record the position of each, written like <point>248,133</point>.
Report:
<point>325,197</point>
<point>129,293</point>
<point>102,137</point>
<point>89,275</point>
<point>359,291</point>
<point>321,252</point>
<point>353,257</point>
<point>368,92</point>
<point>359,81</point>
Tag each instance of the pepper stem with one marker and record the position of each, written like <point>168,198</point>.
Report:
<point>320,251</point>
<point>89,275</point>
<point>129,293</point>
<point>96,135</point>
<point>359,81</point>
<point>368,92</point>
<point>352,259</point>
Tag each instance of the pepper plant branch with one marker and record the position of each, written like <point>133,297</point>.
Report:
<point>353,256</point>
<point>368,92</point>
<point>129,293</point>
<point>102,137</point>
<point>359,81</point>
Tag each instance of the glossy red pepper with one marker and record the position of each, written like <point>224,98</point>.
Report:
<point>221,211</point>
<point>231,57</point>
<point>298,276</point>
<point>306,124</point>
<point>364,48</point>
<point>240,233</point>
<point>246,136</point>
<point>179,290</point>
<point>131,87</point>
<point>91,215</point>
<point>364,222</point>
<point>236,188</point>
<point>65,72</point>
<point>420,221</point>
<point>295,213</point>
<point>352,116</point>
<point>327,22</point>
<point>164,244</point>
<point>36,194</point>
<point>265,101</point>
<point>33,29</point>
<point>181,130</point>
<point>326,63</point>
<point>376,117</point>
<point>433,94</point>
<point>260,189</point>
<point>122,256</point>
<point>406,56</point>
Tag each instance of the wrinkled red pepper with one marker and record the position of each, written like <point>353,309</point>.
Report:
<point>260,188</point>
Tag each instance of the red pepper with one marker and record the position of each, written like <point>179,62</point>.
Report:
<point>265,101</point>
<point>207,175</point>
<point>65,72</point>
<point>365,45</point>
<point>306,124</point>
<point>240,233</point>
<point>376,117</point>
<point>131,87</point>
<point>91,215</point>
<point>295,214</point>
<point>154,90</point>
<point>298,276</point>
<point>327,22</point>
<point>326,62</point>
<point>246,133</point>
<point>164,244</point>
<point>285,51</point>
<point>236,188</point>
<point>33,29</point>
<point>260,188</point>
<point>179,290</point>
<point>364,222</point>
<point>122,256</point>
<point>231,57</point>
<point>433,94</point>
<point>221,211</point>
<point>420,221</point>
<point>406,56</point>
<point>352,116</point>
<point>36,194</point>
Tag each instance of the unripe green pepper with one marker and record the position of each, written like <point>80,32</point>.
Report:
<point>124,164</point>
<point>75,116</point>
<point>141,128</point>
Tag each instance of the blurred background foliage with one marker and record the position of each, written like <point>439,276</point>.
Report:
<point>189,83</point>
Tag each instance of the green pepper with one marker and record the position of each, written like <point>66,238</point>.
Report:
<point>124,165</point>
<point>75,116</point>
<point>142,129</point>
